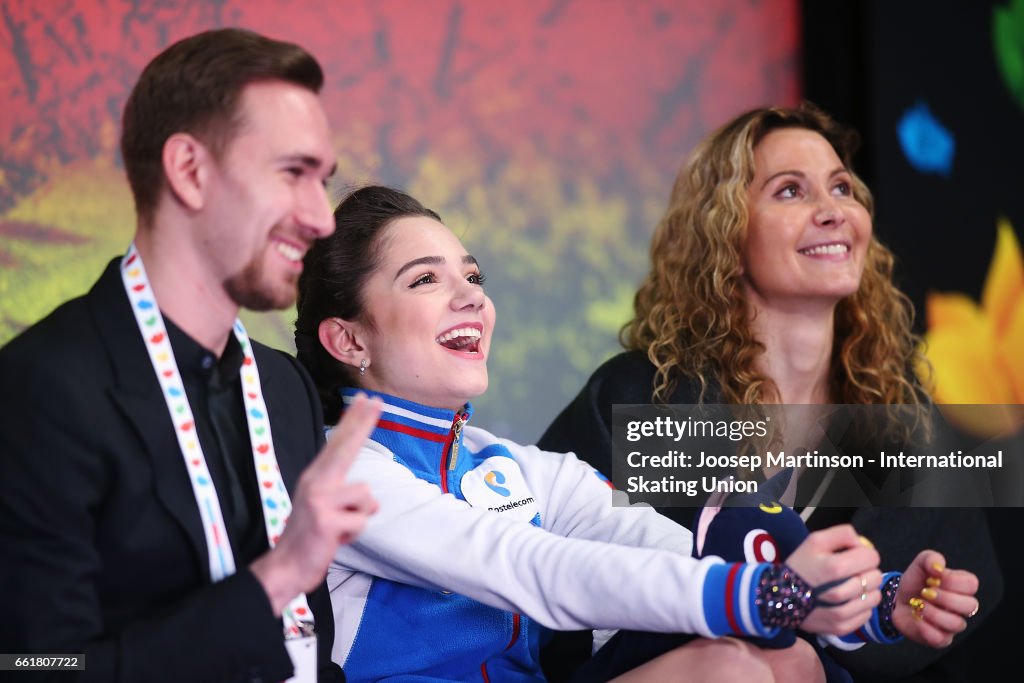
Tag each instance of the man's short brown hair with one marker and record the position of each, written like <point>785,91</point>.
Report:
<point>193,87</point>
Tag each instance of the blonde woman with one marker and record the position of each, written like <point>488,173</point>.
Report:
<point>768,286</point>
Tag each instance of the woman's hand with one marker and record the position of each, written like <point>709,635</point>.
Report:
<point>933,603</point>
<point>838,554</point>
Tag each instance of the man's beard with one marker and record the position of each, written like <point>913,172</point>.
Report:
<point>251,289</point>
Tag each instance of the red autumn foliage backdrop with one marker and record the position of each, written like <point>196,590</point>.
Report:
<point>546,134</point>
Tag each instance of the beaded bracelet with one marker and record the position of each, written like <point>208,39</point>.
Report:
<point>886,607</point>
<point>783,599</point>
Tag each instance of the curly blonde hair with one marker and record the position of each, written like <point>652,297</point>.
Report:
<point>691,316</point>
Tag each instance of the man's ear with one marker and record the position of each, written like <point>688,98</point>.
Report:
<point>343,340</point>
<point>184,159</point>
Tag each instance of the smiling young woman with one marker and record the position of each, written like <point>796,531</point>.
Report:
<point>427,317</point>
<point>480,543</point>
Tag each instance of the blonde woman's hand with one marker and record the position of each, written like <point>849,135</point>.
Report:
<point>934,602</point>
<point>838,557</point>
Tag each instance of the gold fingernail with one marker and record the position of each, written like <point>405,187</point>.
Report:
<point>929,593</point>
<point>937,566</point>
<point>917,607</point>
<point>933,581</point>
<point>866,541</point>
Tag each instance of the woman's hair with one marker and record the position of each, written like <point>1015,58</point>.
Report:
<point>334,275</point>
<point>691,316</point>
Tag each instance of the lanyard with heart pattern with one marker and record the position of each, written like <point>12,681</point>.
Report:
<point>298,619</point>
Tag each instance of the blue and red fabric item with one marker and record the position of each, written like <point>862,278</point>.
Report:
<point>751,527</point>
<point>489,642</point>
<point>755,527</point>
<point>469,523</point>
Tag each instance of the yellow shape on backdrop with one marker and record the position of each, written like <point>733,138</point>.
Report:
<point>1004,284</point>
<point>977,352</point>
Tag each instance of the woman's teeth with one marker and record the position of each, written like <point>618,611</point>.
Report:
<point>459,338</point>
<point>826,249</point>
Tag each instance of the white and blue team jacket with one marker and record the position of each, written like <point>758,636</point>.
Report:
<point>479,542</point>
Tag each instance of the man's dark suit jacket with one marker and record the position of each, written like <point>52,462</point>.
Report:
<point>101,543</point>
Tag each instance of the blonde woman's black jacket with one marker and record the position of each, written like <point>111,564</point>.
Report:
<point>961,534</point>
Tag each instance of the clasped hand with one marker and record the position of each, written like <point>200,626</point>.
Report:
<point>932,602</point>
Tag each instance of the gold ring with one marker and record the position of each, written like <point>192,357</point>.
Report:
<point>974,611</point>
<point>863,589</point>
<point>917,606</point>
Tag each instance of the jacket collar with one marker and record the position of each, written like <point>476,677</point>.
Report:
<point>419,436</point>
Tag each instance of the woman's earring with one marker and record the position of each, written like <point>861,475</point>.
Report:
<point>362,367</point>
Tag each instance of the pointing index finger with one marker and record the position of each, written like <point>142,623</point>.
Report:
<point>351,432</point>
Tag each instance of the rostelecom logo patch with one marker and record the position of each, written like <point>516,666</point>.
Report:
<point>494,480</point>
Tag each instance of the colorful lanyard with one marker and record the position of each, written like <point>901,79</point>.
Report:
<point>298,619</point>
